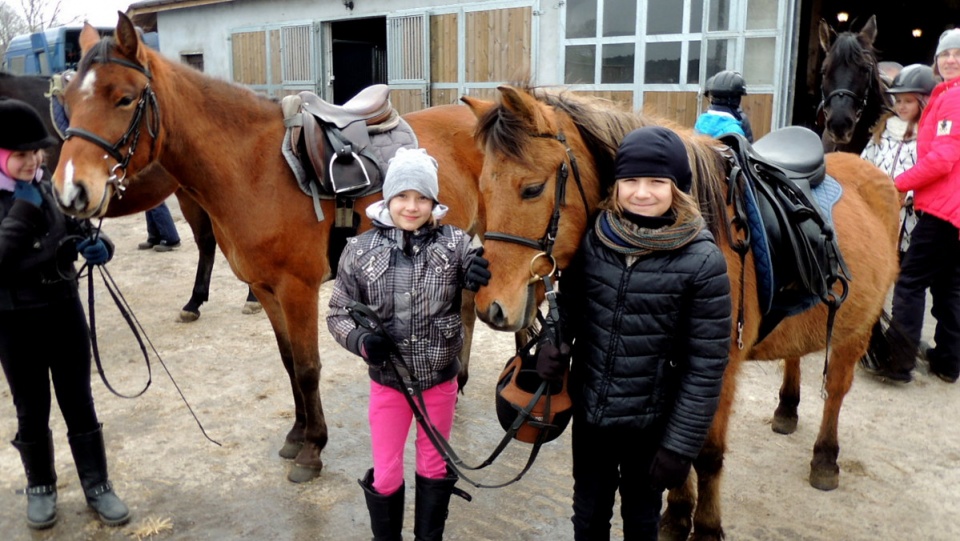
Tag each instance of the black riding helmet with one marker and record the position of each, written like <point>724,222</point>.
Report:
<point>726,85</point>
<point>23,128</point>
<point>916,78</point>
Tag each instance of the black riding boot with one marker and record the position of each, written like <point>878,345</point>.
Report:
<point>91,460</point>
<point>433,498</point>
<point>386,512</point>
<point>37,458</point>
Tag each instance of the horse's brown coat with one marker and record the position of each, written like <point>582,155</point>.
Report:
<point>222,142</point>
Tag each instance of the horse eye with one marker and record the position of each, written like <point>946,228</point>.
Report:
<point>124,101</point>
<point>531,192</point>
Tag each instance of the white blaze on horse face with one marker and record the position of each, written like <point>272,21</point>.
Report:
<point>70,190</point>
<point>86,86</point>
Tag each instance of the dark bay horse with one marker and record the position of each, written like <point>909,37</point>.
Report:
<point>153,184</point>
<point>519,136</point>
<point>222,143</point>
<point>852,90</point>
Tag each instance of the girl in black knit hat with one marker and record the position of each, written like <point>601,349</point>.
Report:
<point>647,304</point>
<point>38,292</point>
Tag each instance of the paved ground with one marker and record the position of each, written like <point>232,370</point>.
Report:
<point>900,449</point>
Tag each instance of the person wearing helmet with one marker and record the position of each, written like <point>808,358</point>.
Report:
<point>646,301</point>
<point>893,146</point>
<point>933,257</point>
<point>724,114</point>
<point>409,269</point>
<point>38,291</point>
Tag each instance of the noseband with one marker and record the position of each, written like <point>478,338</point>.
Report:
<point>148,99</point>
<point>544,245</point>
<point>861,103</point>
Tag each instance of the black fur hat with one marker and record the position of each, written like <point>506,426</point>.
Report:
<point>21,127</point>
<point>654,151</point>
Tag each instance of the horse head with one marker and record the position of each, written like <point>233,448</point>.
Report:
<point>851,89</point>
<point>114,120</point>
<point>540,179</point>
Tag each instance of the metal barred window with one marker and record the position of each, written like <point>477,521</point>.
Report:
<point>297,47</point>
<point>408,49</point>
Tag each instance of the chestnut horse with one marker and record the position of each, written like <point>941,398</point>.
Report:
<point>153,184</point>
<point>531,133</point>
<point>222,142</point>
<point>853,93</point>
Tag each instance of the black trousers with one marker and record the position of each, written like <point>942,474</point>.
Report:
<point>605,460</point>
<point>932,261</point>
<point>61,353</point>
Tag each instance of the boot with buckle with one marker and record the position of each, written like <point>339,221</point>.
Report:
<point>37,458</point>
<point>90,457</point>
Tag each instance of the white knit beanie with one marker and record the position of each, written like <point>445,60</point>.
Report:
<point>948,40</point>
<point>411,169</point>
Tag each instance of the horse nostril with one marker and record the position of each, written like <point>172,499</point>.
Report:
<point>496,314</point>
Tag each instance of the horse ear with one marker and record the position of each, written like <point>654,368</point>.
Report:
<point>869,31</point>
<point>478,106</point>
<point>88,38</point>
<point>827,35</point>
<point>519,103</point>
<point>128,41</point>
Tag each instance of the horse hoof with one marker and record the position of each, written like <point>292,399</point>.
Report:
<point>250,307</point>
<point>290,449</point>
<point>302,474</point>
<point>824,480</point>
<point>784,425</point>
<point>186,316</point>
<point>673,529</point>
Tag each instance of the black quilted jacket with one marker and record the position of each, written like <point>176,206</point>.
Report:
<point>650,339</point>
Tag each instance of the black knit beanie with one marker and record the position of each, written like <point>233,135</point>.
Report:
<point>654,151</point>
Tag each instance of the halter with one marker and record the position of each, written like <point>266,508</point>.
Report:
<point>544,245</point>
<point>118,173</point>
<point>861,103</point>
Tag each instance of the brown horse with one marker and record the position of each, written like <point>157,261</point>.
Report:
<point>222,142</point>
<point>522,152</point>
<point>153,184</point>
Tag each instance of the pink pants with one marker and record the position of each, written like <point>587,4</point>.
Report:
<point>390,417</point>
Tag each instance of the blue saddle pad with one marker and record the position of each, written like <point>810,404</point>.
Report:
<point>826,194</point>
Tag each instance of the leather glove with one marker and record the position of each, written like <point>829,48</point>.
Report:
<point>375,349</point>
<point>28,192</point>
<point>552,361</point>
<point>94,251</point>
<point>477,274</point>
<point>668,470</point>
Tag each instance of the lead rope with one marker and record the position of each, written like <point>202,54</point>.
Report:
<point>138,331</point>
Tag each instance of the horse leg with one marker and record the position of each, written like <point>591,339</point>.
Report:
<point>469,316</point>
<point>202,229</point>
<point>785,417</point>
<point>707,524</point>
<point>824,472</point>
<point>677,522</point>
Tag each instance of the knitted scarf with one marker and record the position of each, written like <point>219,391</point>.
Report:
<point>626,238</point>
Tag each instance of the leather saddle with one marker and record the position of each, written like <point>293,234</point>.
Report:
<point>332,142</point>
<point>779,170</point>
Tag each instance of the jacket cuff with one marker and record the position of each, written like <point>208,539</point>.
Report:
<point>355,340</point>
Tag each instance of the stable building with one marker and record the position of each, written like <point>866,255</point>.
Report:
<point>650,55</point>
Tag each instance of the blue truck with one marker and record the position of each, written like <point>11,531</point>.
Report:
<point>52,51</point>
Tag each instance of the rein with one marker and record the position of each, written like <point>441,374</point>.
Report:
<point>148,99</point>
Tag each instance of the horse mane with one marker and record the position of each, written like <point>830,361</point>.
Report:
<point>602,124</point>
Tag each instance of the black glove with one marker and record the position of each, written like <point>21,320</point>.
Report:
<point>477,274</point>
<point>375,349</point>
<point>552,361</point>
<point>668,470</point>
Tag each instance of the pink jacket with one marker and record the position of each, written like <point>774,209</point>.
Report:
<point>935,179</point>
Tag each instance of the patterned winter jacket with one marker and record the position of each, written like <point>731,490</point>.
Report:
<point>892,154</point>
<point>935,179</point>
<point>416,296</point>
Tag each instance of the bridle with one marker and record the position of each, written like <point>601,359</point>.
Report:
<point>861,103</point>
<point>544,245</point>
<point>148,99</point>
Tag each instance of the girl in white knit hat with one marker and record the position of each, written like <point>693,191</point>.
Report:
<point>409,269</point>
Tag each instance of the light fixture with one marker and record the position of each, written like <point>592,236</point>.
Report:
<point>348,4</point>
<point>843,16</point>
<point>917,32</point>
